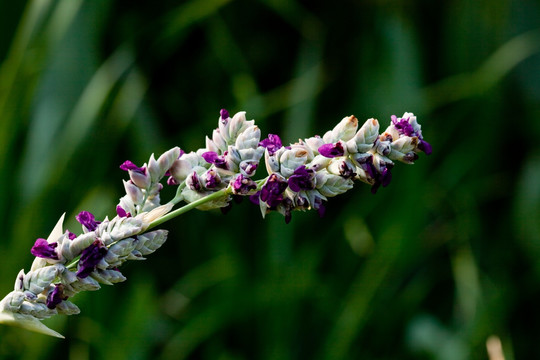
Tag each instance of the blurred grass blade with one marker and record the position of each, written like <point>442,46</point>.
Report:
<point>79,124</point>
<point>362,290</point>
<point>188,14</point>
<point>494,68</point>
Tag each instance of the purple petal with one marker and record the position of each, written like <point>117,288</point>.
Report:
<point>369,168</point>
<point>212,157</point>
<point>90,257</point>
<point>193,182</point>
<point>128,165</point>
<point>301,179</point>
<point>212,180</point>
<point>272,143</point>
<point>375,187</point>
<point>425,147</point>
<point>172,181</point>
<point>249,167</point>
<point>271,192</point>
<point>88,220</point>
<point>71,235</point>
<point>386,176</point>
<point>243,185</point>
<point>255,198</point>
<point>332,150</point>
<point>224,114</point>
<point>56,296</point>
<point>43,249</point>
<point>346,171</point>
<point>403,126</point>
<point>121,212</point>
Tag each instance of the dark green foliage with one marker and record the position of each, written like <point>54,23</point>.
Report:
<point>428,268</point>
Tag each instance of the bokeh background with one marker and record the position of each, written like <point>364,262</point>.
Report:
<point>429,268</point>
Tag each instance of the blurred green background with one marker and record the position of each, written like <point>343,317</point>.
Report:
<point>428,268</point>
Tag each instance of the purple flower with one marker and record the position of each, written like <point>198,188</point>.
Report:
<point>56,296</point>
<point>71,235</point>
<point>405,128</point>
<point>128,165</point>
<point>272,144</point>
<point>242,185</point>
<point>121,212</point>
<point>193,182</point>
<point>255,198</point>
<point>138,175</point>
<point>44,250</point>
<point>90,257</point>
<point>272,191</point>
<point>219,161</point>
<point>302,179</point>
<point>319,206</point>
<point>366,164</point>
<point>212,179</point>
<point>386,176</point>
<point>383,177</point>
<point>249,167</point>
<point>288,207</point>
<point>172,181</point>
<point>332,150</point>
<point>87,220</point>
<point>425,147</point>
<point>346,171</point>
<point>224,115</point>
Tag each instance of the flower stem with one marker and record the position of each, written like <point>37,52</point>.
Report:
<point>216,195</point>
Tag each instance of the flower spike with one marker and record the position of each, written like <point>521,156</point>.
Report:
<point>300,176</point>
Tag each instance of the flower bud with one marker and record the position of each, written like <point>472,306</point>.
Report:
<point>180,170</point>
<point>342,167</point>
<point>211,146</point>
<point>366,136</point>
<point>141,179</point>
<point>383,147</point>
<point>249,138</point>
<point>108,276</point>
<point>218,140</point>
<point>119,252</point>
<point>134,192</point>
<point>151,241</point>
<point>333,185</point>
<point>248,167</point>
<point>319,162</point>
<point>154,169</point>
<point>166,160</point>
<point>402,147</point>
<point>290,160</point>
<point>314,143</point>
<point>243,185</point>
<point>211,179</point>
<point>38,280</point>
<point>271,161</point>
<point>237,124</point>
<point>345,130</point>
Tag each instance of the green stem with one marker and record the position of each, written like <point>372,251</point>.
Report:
<point>214,196</point>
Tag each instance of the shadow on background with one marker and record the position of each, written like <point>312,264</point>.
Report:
<point>429,268</point>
